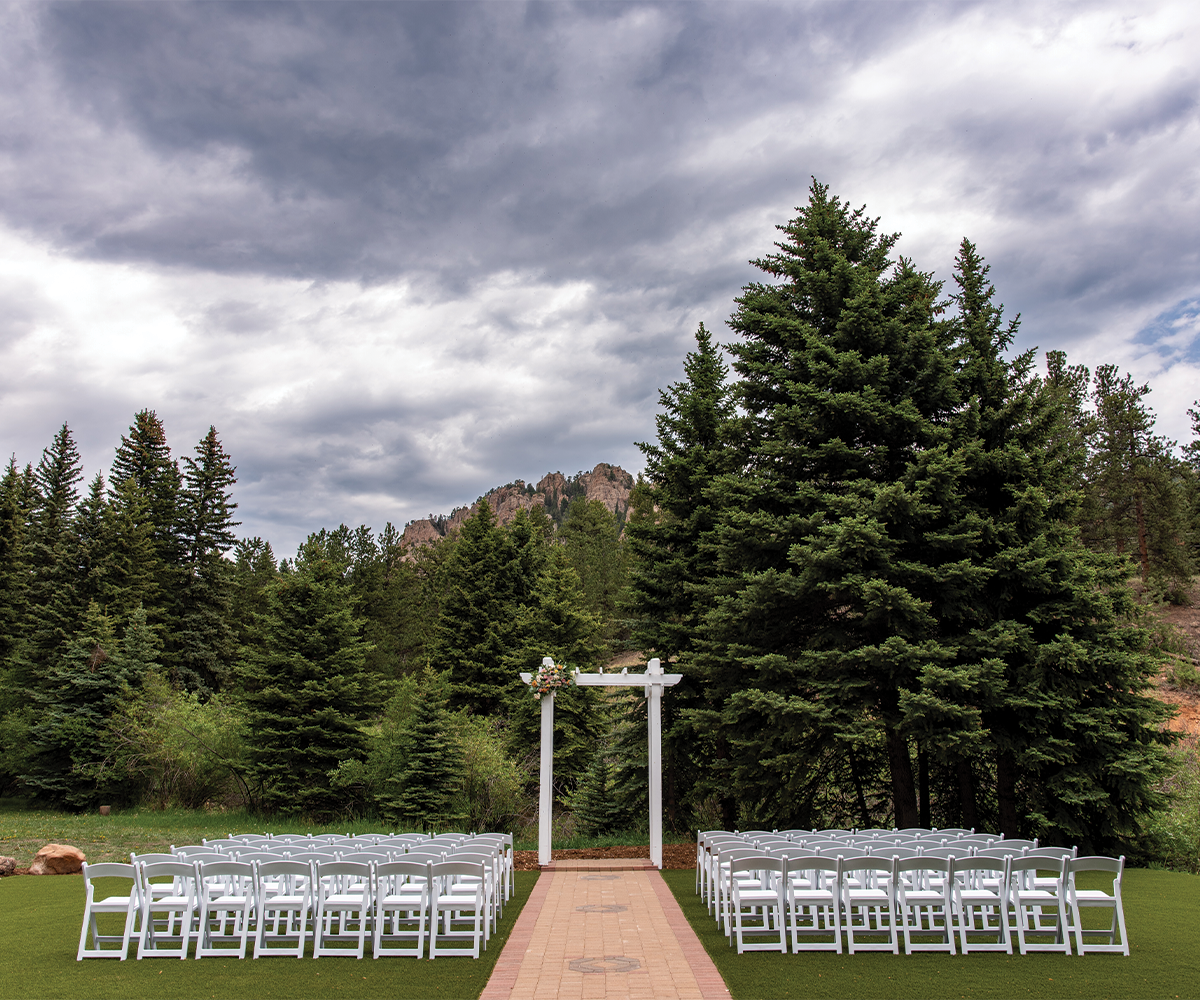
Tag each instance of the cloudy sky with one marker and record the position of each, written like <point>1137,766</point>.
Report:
<point>401,253</point>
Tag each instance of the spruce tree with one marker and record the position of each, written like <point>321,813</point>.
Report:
<point>14,566</point>
<point>145,457</point>
<point>55,607</point>
<point>204,645</point>
<point>672,518</point>
<point>484,583</point>
<point>590,538</point>
<point>1136,502</point>
<point>306,690</point>
<point>422,794</point>
<point>832,542</point>
<point>82,689</point>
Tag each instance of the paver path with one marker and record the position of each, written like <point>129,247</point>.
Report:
<point>603,929</point>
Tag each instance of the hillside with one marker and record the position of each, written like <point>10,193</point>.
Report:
<point>610,484</point>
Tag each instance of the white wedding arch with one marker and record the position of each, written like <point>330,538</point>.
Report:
<point>653,680</point>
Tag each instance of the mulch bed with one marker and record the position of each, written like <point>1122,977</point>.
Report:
<point>674,855</point>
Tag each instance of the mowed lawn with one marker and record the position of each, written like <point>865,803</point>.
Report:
<point>39,932</point>
<point>1162,910</point>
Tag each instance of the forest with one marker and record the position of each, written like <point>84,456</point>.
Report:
<point>908,575</point>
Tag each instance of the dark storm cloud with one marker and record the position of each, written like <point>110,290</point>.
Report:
<point>401,253</point>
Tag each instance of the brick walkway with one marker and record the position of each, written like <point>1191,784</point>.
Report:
<point>595,929</point>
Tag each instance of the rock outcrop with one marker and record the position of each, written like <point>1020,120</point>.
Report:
<point>7,866</point>
<point>57,859</point>
<point>610,484</point>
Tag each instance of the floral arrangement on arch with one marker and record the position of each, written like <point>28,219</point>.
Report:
<point>550,678</point>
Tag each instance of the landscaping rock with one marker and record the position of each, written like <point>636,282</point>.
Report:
<point>7,866</point>
<point>57,859</point>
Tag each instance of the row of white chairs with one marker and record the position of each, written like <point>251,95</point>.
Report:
<point>401,900</point>
<point>818,897</point>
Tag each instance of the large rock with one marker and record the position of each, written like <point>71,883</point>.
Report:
<point>7,866</point>
<point>57,859</point>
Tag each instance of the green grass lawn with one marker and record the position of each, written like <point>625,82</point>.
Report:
<point>24,831</point>
<point>1162,911</point>
<point>39,932</point>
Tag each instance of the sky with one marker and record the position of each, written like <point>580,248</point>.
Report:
<point>401,253</point>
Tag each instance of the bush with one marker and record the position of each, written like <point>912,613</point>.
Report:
<point>1173,834</point>
<point>178,751</point>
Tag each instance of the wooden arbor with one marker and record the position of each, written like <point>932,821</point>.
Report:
<point>653,680</point>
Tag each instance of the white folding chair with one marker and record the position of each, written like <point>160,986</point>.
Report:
<point>1039,905</point>
<point>161,912</point>
<point>868,903</point>
<point>1079,900</point>
<point>924,904</point>
<point>980,889</point>
<point>343,907</point>
<point>401,908</point>
<point>283,892</point>
<point>119,903</point>
<point>813,902</point>
<point>454,907</point>
<point>758,902</point>
<point>226,893</point>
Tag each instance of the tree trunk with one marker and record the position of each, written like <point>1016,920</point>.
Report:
<point>966,794</point>
<point>1006,792</point>
<point>858,788</point>
<point>904,792</point>
<point>923,779</point>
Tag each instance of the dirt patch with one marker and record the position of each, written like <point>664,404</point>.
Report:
<point>674,855</point>
<point>1185,620</point>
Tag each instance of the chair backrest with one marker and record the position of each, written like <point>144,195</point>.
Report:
<point>810,862</point>
<point>959,831</point>
<point>409,869</point>
<point>1038,863</point>
<point>895,851</point>
<point>181,870</point>
<point>948,851</point>
<point>284,867</point>
<point>257,855</point>
<point>358,869</point>
<point>876,833</point>
<point>757,863</point>
<point>225,870</point>
<point>917,831</point>
<point>1052,854</point>
<point>865,863</point>
<point>833,833</point>
<point>329,854</point>
<point>108,869</point>
<point>368,857</point>
<point>1095,863</point>
<point>443,868</point>
<point>143,859</point>
<point>922,863</point>
<point>194,856</point>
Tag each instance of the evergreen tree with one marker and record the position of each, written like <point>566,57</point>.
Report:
<point>833,542</point>
<point>484,584</point>
<point>14,565</point>
<point>421,795</point>
<point>88,683</point>
<point>590,539</point>
<point>54,604</point>
<point>671,521</point>
<point>306,690</point>
<point>205,643</point>
<point>126,571</point>
<point>254,570</point>
<point>1136,499</point>
<point>145,457</point>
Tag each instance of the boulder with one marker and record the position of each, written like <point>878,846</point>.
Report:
<point>7,866</point>
<point>57,859</point>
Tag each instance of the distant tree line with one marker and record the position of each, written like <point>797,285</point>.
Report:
<point>902,573</point>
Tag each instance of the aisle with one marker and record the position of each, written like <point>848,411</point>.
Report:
<point>594,929</point>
